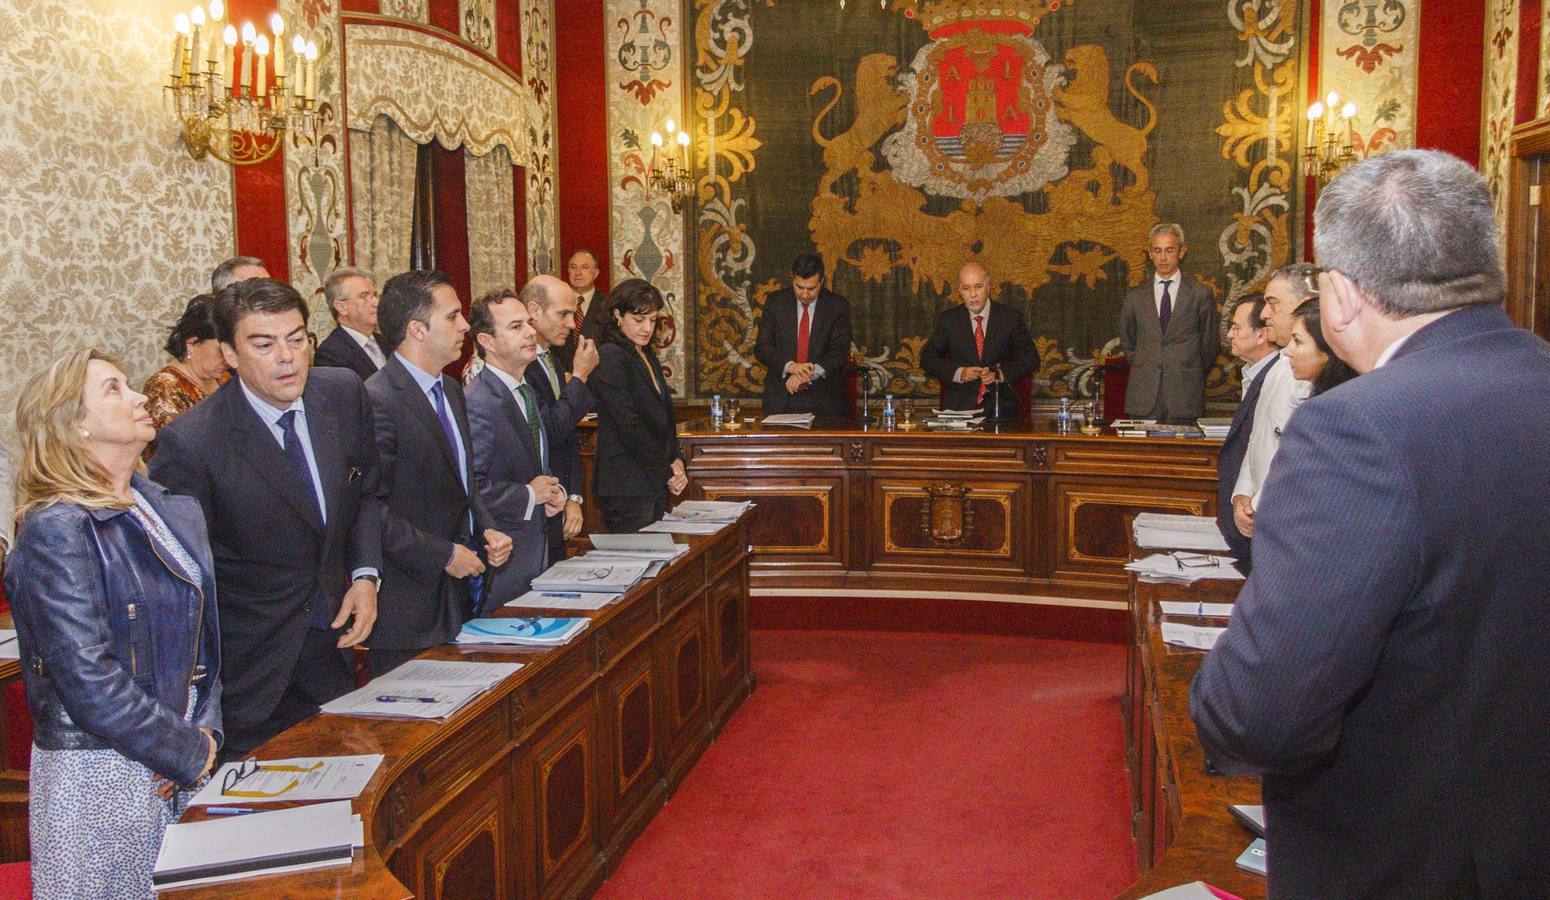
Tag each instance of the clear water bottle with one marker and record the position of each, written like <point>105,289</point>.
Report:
<point>888,411</point>
<point>1064,422</point>
<point>715,411</point>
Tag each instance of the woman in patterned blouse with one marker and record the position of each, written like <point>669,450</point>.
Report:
<point>196,370</point>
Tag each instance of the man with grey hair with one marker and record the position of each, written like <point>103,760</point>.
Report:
<point>1170,330</point>
<point>238,268</point>
<point>354,345</point>
<point>1281,394</point>
<point>1385,666</point>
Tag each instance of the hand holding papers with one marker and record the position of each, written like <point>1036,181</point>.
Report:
<point>274,780</point>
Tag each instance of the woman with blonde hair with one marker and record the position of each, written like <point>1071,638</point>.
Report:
<point>112,586</point>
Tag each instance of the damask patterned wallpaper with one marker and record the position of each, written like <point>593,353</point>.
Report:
<point>108,226</point>
<point>1501,92</point>
<point>1368,54</point>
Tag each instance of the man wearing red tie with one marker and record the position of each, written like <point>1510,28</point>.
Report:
<point>804,343</point>
<point>979,347</point>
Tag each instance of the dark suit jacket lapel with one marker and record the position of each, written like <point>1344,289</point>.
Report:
<point>263,452</point>
<point>415,399</point>
<point>458,410</point>
<point>1149,301</point>
<point>508,401</point>
<point>326,451</point>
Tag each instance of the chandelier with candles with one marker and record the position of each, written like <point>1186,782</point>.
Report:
<point>234,91</point>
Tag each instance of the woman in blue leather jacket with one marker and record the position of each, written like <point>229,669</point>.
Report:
<point>112,587</point>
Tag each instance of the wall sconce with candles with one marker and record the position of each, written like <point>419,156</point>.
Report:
<point>670,168</point>
<point>1331,144</point>
<point>226,102</point>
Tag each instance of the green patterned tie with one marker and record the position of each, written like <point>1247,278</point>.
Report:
<point>547,361</point>
<point>525,391</point>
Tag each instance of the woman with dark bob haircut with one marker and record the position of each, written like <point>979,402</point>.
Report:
<point>1309,353</point>
<point>638,460</point>
<point>196,370</point>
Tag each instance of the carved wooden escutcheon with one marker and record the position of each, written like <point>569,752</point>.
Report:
<point>946,517</point>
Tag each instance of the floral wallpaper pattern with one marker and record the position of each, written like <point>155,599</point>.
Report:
<point>1368,53</point>
<point>105,232</point>
<point>1501,91</point>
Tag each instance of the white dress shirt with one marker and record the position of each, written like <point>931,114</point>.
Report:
<point>512,384</point>
<point>1279,397</point>
<point>270,416</point>
<point>1252,370</point>
<point>1388,353</point>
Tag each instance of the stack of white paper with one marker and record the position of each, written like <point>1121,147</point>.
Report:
<point>654,549</point>
<point>10,648</point>
<point>536,632</point>
<point>1185,608</point>
<point>708,511</point>
<point>599,576</point>
<point>956,413</point>
<point>285,840</point>
<point>1174,532</point>
<point>422,689</point>
<point>1195,637</point>
<point>797,420</point>
<point>669,526</point>
<point>1215,428</point>
<point>569,600</point>
<point>1184,568</point>
<point>293,780</point>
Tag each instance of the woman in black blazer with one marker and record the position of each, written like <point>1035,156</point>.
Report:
<point>638,460</point>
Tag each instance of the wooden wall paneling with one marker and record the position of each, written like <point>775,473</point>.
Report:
<point>803,515</point>
<point>1092,522</point>
<point>632,768</point>
<point>1528,229</point>
<point>683,659</point>
<point>565,775</point>
<point>726,609</point>
<point>978,524</point>
<point>466,849</point>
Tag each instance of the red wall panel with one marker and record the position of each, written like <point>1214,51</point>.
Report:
<point>508,35</point>
<point>452,230</point>
<point>361,6</point>
<point>1449,79</point>
<point>443,15</point>
<point>258,192</point>
<point>580,98</point>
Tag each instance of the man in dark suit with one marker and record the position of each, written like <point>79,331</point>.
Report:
<point>284,463</point>
<point>562,400</point>
<point>512,449</point>
<point>354,344</point>
<point>979,347</point>
<point>432,516</point>
<point>1249,341</point>
<point>582,272</point>
<point>1385,667</point>
<point>804,343</point>
<point>1169,328</point>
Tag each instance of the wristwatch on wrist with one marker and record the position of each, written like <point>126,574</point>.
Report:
<point>574,498</point>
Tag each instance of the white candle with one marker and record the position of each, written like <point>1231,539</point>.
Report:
<point>197,18</point>
<point>228,71</point>
<point>277,25</point>
<point>261,47</point>
<point>248,33</point>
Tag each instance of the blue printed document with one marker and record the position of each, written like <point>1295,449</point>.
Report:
<point>528,632</point>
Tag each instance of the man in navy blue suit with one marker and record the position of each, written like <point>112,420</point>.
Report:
<point>1386,668</point>
<point>511,444</point>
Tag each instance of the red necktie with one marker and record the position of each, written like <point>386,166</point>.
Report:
<point>804,327</point>
<point>979,348</point>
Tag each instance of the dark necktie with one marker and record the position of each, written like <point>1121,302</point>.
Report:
<point>298,457</point>
<point>804,332</point>
<point>546,360</point>
<point>525,392</point>
<point>1165,311</point>
<point>446,425</point>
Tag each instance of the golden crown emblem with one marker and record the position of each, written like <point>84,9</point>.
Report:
<point>937,14</point>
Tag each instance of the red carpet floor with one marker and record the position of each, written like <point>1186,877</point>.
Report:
<point>903,765</point>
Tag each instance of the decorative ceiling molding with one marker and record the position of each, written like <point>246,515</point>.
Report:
<point>437,90</point>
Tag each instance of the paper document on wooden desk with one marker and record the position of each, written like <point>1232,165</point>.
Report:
<point>1186,608</point>
<point>1195,637</point>
<point>403,700</point>
<point>454,672</point>
<point>794,420</point>
<point>567,600</point>
<point>593,576</point>
<point>533,632</point>
<point>1175,532</point>
<point>291,780</point>
<point>1185,568</point>
<point>285,840</point>
<point>667,526</point>
<point>708,511</point>
<point>10,647</point>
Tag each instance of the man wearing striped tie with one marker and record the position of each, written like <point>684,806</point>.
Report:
<point>804,343</point>
<point>978,347</point>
